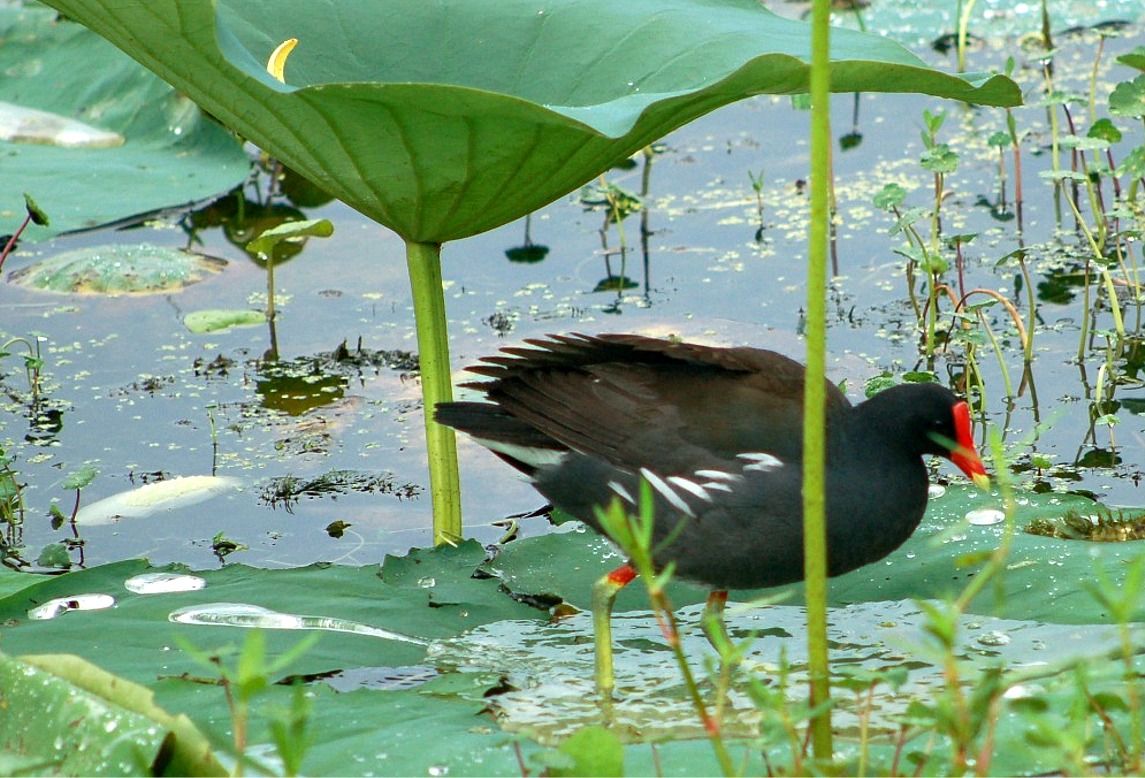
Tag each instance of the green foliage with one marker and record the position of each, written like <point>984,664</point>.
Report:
<point>594,750</point>
<point>291,231</point>
<point>245,678</point>
<point>62,715</point>
<point>1134,59</point>
<point>1128,98</point>
<point>80,479</point>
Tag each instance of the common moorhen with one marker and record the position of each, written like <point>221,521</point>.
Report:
<point>718,434</point>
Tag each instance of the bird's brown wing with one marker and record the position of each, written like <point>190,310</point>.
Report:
<point>639,402</point>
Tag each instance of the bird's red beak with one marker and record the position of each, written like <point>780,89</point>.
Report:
<point>964,455</point>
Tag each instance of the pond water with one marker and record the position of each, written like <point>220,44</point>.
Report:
<point>136,395</point>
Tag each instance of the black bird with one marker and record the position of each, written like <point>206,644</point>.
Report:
<point>718,435</point>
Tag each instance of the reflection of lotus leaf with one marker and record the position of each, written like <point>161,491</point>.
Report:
<point>118,269</point>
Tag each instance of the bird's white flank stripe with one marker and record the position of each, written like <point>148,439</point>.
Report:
<point>537,457</point>
<point>660,485</point>
<point>761,461</point>
<point>621,492</point>
<point>690,486</point>
<point>719,475</point>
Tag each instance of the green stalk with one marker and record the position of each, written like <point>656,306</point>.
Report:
<point>424,261</point>
<point>963,24</point>
<point>814,397</point>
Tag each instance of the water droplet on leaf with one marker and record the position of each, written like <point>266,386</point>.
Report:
<point>61,605</point>
<point>984,517</point>
<point>163,583</point>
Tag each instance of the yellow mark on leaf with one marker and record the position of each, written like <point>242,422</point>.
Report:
<point>276,65</point>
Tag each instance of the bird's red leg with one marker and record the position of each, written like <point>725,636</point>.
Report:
<point>604,593</point>
<point>713,619</point>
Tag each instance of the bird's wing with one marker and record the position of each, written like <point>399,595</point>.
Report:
<point>640,402</point>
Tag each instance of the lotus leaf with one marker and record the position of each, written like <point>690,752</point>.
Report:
<point>118,268</point>
<point>63,85</point>
<point>446,119</point>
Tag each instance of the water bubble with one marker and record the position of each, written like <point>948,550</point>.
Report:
<point>1018,692</point>
<point>427,583</point>
<point>164,583</point>
<point>994,638</point>
<point>437,770</point>
<point>61,605</point>
<point>231,614</point>
<point>984,517</point>
<point>934,491</point>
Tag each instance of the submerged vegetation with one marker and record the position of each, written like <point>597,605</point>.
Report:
<point>1103,526</point>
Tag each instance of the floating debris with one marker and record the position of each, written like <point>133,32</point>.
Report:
<point>140,268</point>
<point>286,491</point>
<point>994,637</point>
<point>152,498</point>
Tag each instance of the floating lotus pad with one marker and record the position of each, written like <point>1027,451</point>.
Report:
<point>221,319</point>
<point>118,269</point>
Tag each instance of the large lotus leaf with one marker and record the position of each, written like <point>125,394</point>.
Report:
<point>170,156</point>
<point>445,119</point>
<point>428,594</point>
<point>535,676</point>
<point>438,728</point>
<point>480,633</point>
